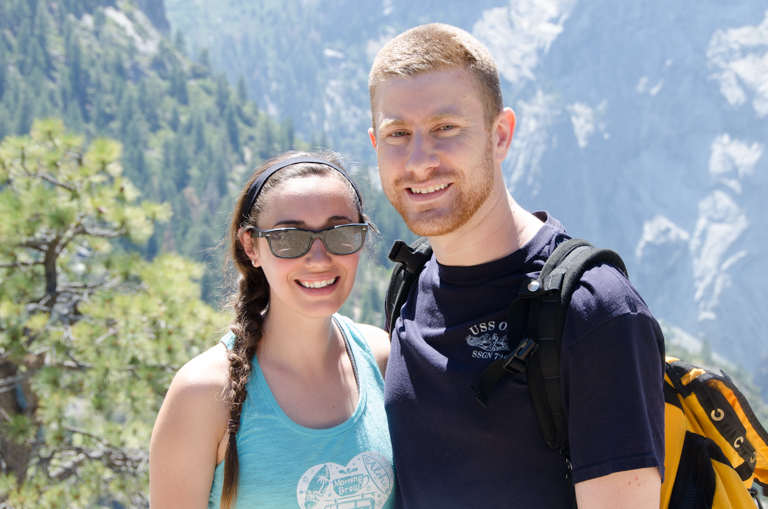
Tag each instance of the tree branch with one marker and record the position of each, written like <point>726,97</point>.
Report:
<point>39,245</point>
<point>53,180</point>
<point>96,231</point>
<point>131,461</point>
<point>9,383</point>
<point>19,264</point>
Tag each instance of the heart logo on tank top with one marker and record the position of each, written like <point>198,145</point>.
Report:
<point>364,483</point>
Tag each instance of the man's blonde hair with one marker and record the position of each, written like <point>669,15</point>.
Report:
<point>439,47</point>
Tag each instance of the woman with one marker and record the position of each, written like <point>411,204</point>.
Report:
<point>288,408</point>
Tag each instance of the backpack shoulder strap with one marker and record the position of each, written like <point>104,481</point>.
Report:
<point>535,322</point>
<point>409,260</point>
<point>557,282</point>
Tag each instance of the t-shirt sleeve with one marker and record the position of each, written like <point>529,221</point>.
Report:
<point>612,374</point>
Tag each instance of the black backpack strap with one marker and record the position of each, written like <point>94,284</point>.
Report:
<point>554,289</point>
<point>409,260</point>
<point>535,323</point>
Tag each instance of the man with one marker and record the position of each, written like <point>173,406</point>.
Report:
<point>441,132</point>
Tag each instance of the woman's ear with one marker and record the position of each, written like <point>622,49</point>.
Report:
<point>247,241</point>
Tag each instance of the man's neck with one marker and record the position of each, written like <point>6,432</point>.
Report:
<point>499,228</point>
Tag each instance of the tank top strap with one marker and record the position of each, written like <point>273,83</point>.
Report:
<point>363,360</point>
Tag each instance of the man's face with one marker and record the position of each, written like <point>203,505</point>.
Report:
<point>436,156</point>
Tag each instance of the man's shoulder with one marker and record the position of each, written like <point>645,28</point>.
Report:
<point>604,294</point>
<point>607,286</point>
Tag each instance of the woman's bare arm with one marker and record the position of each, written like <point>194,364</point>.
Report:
<point>189,429</point>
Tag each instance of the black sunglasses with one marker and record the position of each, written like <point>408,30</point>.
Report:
<point>343,239</point>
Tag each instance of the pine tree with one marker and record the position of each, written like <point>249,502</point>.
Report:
<point>173,119</point>
<point>179,83</point>
<point>24,113</point>
<point>3,68</point>
<point>179,44</point>
<point>222,93</point>
<point>23,44</point>
<point>203,58</point>
<point>290,132</point>
<point>242,90</point>
<point>40,31</point>
<point>4,122</point>
<point>77,76</point>
<point>232,129</point>
<point>198,131</point>
<point>90,333</point>
<point>149,95</point>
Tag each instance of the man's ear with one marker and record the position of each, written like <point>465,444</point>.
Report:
<point>247,241</point>
<point>372,136</point>
<point>503,131</point>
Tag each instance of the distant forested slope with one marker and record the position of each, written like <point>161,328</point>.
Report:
<point>102,66</point>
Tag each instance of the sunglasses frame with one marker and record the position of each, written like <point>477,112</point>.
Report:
<point>314,234</point>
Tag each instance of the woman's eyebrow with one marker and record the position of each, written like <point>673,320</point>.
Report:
<point>289,223</point>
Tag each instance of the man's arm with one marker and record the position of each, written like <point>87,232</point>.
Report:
<point>615,397</point>
<point>631,489</point>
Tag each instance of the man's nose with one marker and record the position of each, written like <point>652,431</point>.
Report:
<point>422,156</point>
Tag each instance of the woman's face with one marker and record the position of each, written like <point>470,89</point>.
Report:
<point>316,284</point>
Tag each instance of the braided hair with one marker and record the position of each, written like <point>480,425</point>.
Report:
<point>251,300</point>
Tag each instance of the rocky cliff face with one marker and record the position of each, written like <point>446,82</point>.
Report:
<point>155,11</point>
<point>643,127</point>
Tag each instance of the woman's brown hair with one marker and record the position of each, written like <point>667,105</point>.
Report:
<point>251,299</point>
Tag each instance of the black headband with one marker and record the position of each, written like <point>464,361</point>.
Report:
<point>255,189</point>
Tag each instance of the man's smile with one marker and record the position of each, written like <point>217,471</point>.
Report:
<point>427,190</point>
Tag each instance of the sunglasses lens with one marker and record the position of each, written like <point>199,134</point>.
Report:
<point>290,243</point>
<point>345,240</point>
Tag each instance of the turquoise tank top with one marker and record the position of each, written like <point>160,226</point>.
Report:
<point>283,464</point>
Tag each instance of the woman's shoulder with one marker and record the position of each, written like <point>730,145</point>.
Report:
<point>378,342</point>
<point>204,377</point>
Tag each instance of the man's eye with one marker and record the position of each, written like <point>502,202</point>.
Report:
<point>398,134</point>
<point>447,127</point>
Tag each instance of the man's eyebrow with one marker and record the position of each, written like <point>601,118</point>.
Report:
<point>391,123</point>
<point>448,114</point>
<point>396,122</point>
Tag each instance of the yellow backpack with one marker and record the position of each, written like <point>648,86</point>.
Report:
<point>715,447</point>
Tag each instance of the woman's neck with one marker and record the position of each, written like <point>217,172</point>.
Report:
<point>306,366</point>
<point>299,342</point>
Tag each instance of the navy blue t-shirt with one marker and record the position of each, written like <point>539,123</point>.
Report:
<point>450,452</point>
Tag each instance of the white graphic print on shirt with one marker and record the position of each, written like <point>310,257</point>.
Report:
<point>365,482</point>
<point>491,339</point>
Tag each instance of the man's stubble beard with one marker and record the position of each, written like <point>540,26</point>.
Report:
<point>474,186</point>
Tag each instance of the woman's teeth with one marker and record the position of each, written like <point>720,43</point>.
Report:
<point>428,190</point>
<point>317,284</point>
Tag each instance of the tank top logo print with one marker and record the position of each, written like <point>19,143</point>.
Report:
<point>364,483</point>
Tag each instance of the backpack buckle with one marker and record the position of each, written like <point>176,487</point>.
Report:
<point>518,360</point>
<point>412,258</point>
